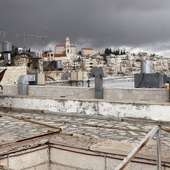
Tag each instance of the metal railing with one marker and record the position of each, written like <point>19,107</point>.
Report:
<point>156,130</point>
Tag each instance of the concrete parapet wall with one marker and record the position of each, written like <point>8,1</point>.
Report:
<point>90,107</point>
<point>136,94</point>
<point>59,91</point>
<point>9,89</point>
<point>113,94</point>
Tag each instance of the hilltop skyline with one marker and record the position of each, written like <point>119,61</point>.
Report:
<point>131,24</point>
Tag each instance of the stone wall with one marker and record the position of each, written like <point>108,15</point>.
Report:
<point>114,94</point>
<point>136,94</point>
<point>12,74</point>
<point>64,92</point>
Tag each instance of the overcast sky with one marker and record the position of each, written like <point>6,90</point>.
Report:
<point>136,24</point>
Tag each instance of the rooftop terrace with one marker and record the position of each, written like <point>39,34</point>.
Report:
<point>24,132</point>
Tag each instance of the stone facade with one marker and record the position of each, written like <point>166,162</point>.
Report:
<point>12,74</point>
<point>68,49</point>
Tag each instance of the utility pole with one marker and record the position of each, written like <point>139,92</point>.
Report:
<point>24,35</point>
<point>43,36</point>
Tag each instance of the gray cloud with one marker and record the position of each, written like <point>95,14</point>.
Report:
<point>100,23</point>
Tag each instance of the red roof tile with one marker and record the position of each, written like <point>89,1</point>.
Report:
<point>60,55</point>
<point>44,55</point>
<point>87,48</point>
<point>60,45</point>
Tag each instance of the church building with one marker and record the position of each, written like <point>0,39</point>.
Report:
<point>68,49</point>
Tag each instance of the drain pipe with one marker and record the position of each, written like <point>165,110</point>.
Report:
<point>23,82</point>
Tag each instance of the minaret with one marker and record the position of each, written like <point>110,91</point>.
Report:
<point>68,46</point>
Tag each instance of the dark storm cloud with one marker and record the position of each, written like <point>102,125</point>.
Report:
<point>101,23</point>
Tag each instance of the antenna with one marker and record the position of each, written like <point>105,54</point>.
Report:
<point>24,35</point>
<point>43,36</point>
<point>2,34</point>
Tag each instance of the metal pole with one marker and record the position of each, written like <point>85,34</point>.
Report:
<point>158,141</point>
<point>131,155</point>
<point>8,162</point>
<point>105,167</point>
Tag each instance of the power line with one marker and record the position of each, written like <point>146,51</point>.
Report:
<point>24,35</point>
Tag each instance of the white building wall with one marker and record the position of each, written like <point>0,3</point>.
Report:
<point>60,49</point>
<point>87,52</point>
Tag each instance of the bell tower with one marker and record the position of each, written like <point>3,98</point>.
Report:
<point>67,46</point>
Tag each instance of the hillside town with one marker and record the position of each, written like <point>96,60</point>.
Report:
<point>64,60</point>
<point>84,85</point>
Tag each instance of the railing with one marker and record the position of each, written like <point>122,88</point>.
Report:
<point>156,130</point>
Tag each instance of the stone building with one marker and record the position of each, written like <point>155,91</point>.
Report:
<point>88,52</point>
<point>68,49</point>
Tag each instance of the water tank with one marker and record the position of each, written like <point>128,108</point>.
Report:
<point>7,46</point>
<point>59,65</point>
<point>9,58</point>
<point>147,66</point>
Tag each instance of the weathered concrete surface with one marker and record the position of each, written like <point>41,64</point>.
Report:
<point>25,160</point>
<point>91,107</point>
<point>77,152</point>
<point>86,142</point>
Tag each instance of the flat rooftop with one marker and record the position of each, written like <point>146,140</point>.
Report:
<point>22,130</point>
<point>19,124</point>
